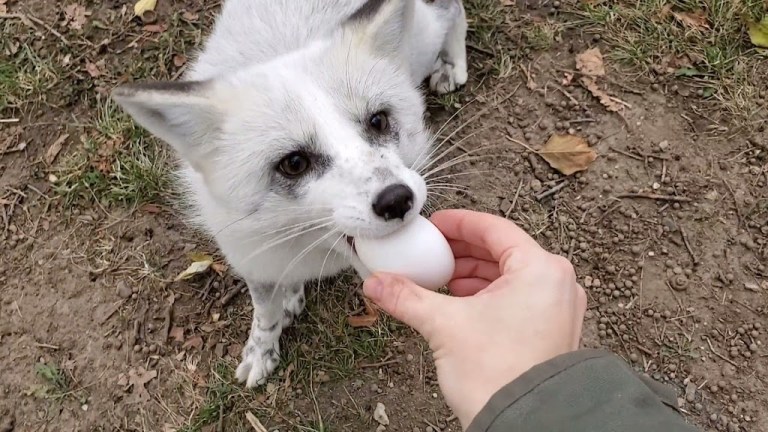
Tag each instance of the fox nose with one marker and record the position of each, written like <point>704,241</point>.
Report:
<point>393,202</point>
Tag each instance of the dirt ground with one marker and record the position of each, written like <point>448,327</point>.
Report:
<point>668,227</point>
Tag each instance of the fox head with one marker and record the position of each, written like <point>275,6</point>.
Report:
<point>333,131</point>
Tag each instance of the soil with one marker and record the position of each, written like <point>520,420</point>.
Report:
<point>668,230</point>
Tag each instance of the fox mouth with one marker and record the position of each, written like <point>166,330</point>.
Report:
<point>351,242</point>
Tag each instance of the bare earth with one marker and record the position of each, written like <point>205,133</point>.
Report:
<point>668,229</point>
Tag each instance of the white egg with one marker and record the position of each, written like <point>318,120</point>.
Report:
<point>417,251</point>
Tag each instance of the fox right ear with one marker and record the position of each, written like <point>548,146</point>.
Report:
<point>181,113</point>
<point>383,25</point>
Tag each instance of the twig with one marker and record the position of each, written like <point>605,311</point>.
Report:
<point>527,147</point>
<point>735,202</point>
<point>655,197</point>
<point>663,171</point>
<point>480,49</point>
<point>552,191</point>
<point>167,320</point>
<point>711,348</point>
<point>208,285</point>
<point>627,154</point>
<point>9,120</point>
<point>231,294</point>
<point>379,364</point>
<point>47,27</point>
<point>45,345</point>
<point>688,245</point>
<point>514,200</point>
<point>257,426</point>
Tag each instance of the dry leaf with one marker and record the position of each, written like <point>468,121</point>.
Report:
<point>142,6</point>
<point>568,153</point>
<point>150,208</point>
<point>190,16</point>
<point>609,102</point>
<point>366,320</point>
<point>234,350</point>
<point>177,333</point>
<point>179,60</point>
<point>154,28</point>
<point>75,16</point>
<point>92,69</point>
<point>200,264</point>
<point>195,342</point>
<point>567,79</point>
<point>758,32</point>
<point>590,63</point>
<point>3,7</point>
<point>696,20</point>
<point>138,378</point>
<point>54,149</point>
<point>219,268</point>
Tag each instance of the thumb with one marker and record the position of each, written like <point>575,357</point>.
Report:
<point>403,299</point>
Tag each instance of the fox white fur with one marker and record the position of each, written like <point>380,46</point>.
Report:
<point>283,77</point>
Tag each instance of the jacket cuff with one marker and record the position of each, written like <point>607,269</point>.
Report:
<point>526,382</point>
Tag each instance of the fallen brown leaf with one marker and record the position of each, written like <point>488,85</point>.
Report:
<point>567,79</point>
<point>609,102</point>
<point>151,208</point>
<point>568,153</point>
<point>234,350</point>
<point>93,70</point>
<point>3,7</point>
<point>154,28</point>
<point>190,16</point>
<point>179,60</point>
<point>55,149</point>
<point>696,20</point>
<point>195,342</point>
<point>75,15</point>
<point>366,320</point>
<point>219,268</point>
<point>590,63</point>
<point>177,333</point>
<point>138,378</point>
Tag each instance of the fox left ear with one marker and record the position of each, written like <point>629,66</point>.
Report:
<point>382,25</point>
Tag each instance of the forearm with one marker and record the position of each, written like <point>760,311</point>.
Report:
<point>588,390</point>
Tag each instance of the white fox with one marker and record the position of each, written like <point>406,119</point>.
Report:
<point>299,127</point>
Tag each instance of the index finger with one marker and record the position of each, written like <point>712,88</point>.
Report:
<point>493,233</point>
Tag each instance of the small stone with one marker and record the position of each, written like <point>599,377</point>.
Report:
<point>664,145</point>
<point>123,290</point>
<point>409,357</point>
<point>136,348</point>
<point>380,414</point>
<point>381,428</point>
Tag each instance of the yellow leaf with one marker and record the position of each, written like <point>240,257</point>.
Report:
<point>590,63</point>
<point>142,6</point>
<point>200,264</point>
<point>568,153</point>
<point>758,32</point>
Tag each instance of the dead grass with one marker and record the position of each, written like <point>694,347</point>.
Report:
<point>703,41</point>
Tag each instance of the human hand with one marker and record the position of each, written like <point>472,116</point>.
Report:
<point>514,305</point>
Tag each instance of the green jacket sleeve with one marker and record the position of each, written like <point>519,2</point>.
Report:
<point>583,391</point>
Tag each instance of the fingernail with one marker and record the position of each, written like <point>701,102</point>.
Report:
<point>373,287</point>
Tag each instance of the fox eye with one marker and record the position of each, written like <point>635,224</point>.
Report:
<point>379,122</point>
<point>294,165</point>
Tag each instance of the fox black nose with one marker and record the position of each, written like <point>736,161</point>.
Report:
<point>393,202</point>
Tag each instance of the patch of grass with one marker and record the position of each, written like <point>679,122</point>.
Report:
<point>448,101</point>
<point>57,383</point>
<point>119,163</point>
<point>26,75</point>
<point>218,399</point>
<point>323,340</point>
<point>541,35</point>
<point>652,36</point>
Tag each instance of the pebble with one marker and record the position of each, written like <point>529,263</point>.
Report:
<point>380,414</point>
<point>123,290</point>
<point>409,357</point>
<point>664,145</point>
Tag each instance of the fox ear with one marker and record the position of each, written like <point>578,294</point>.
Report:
<point>383,25</point>
<point>182,113</point>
